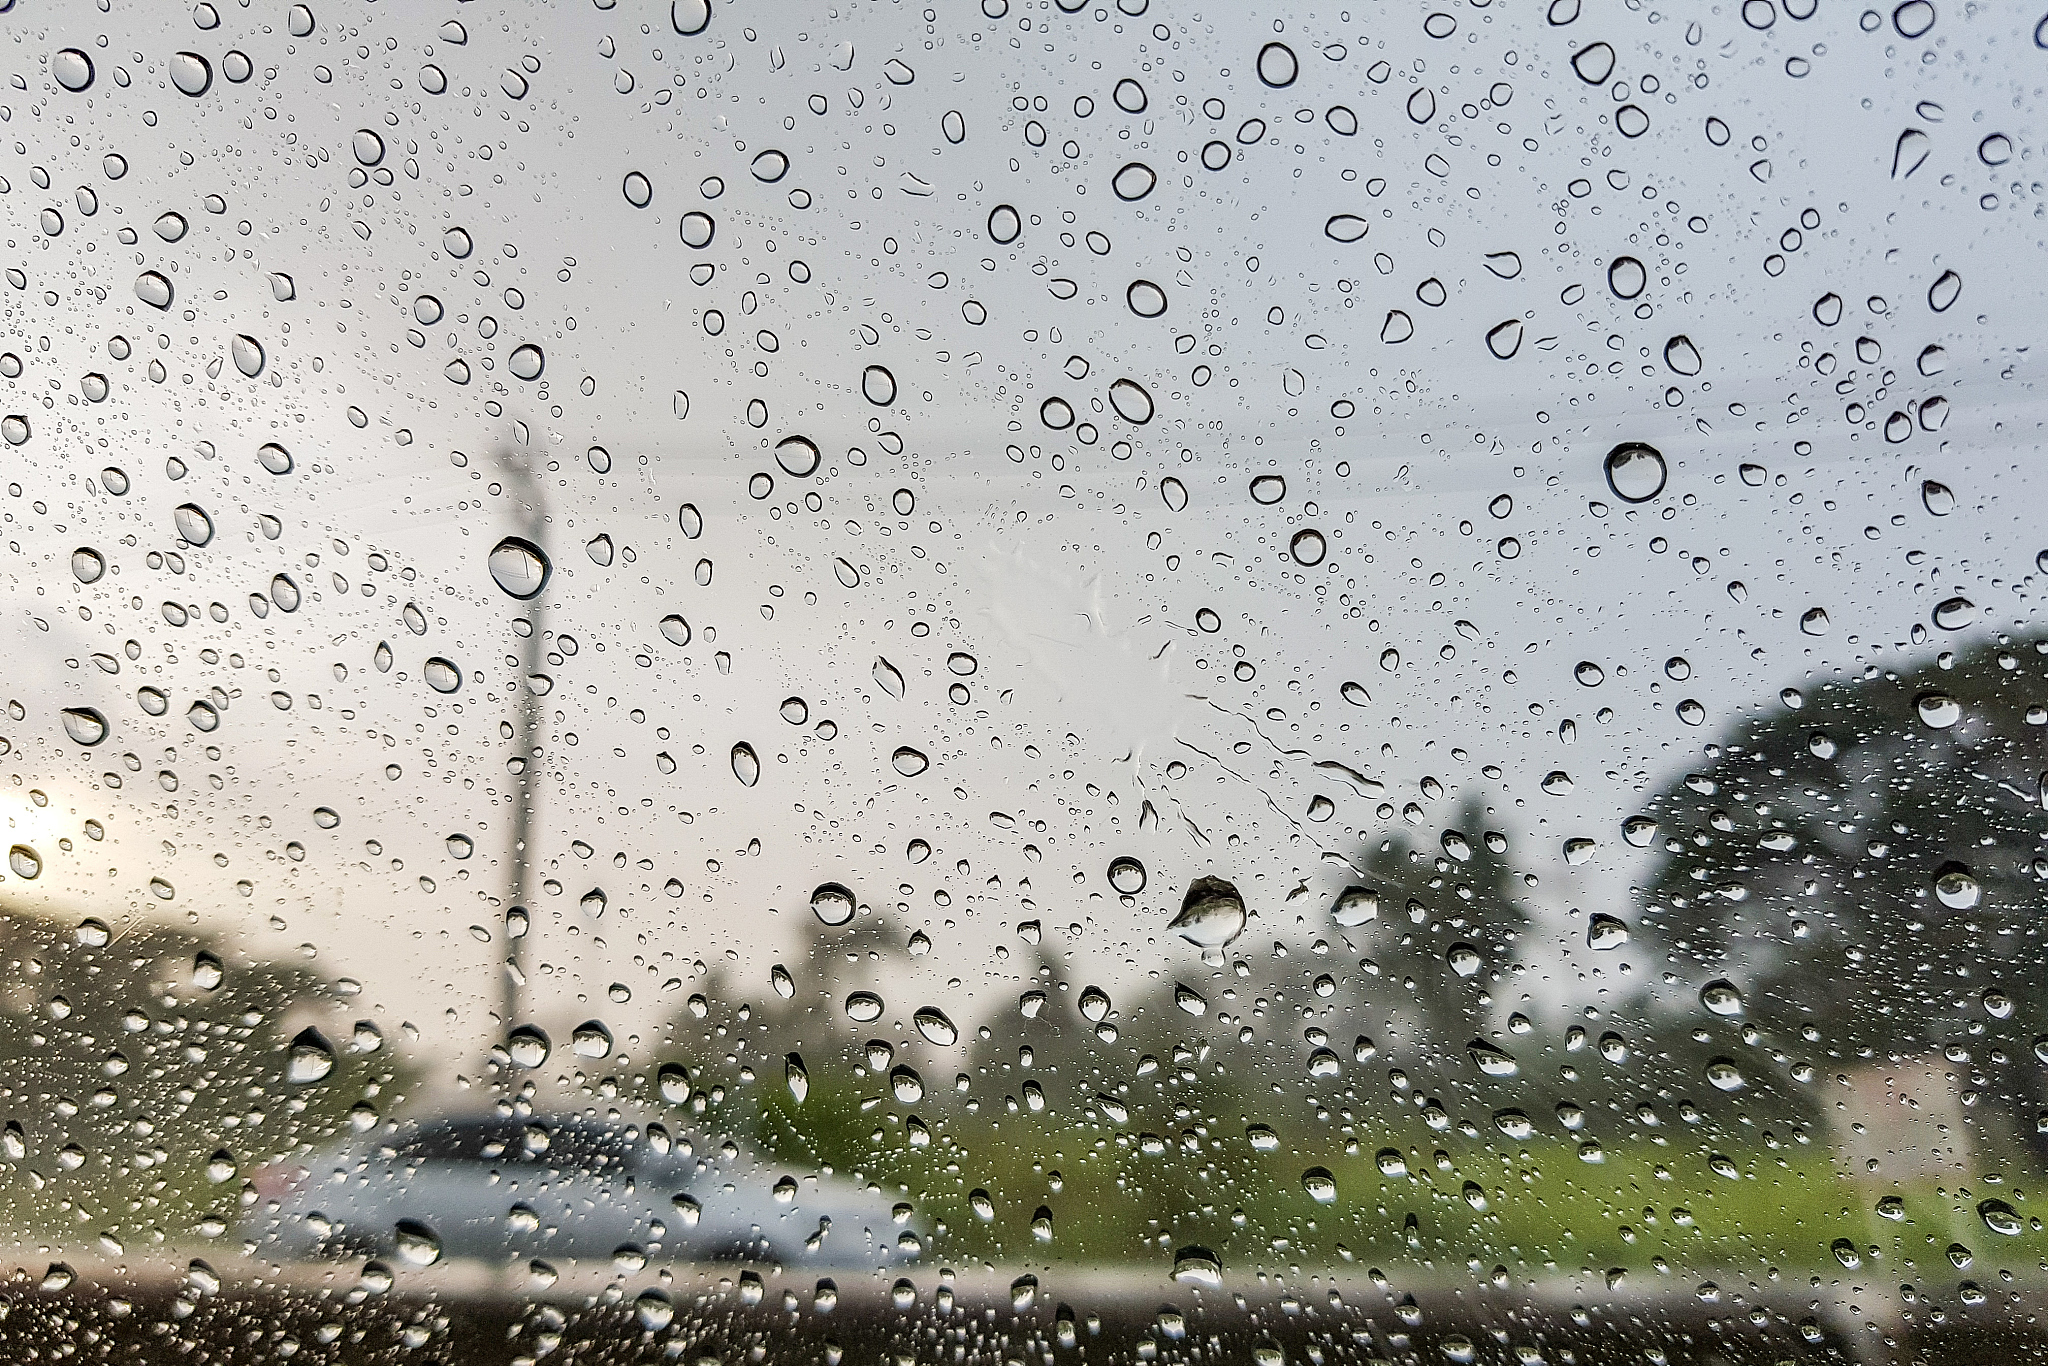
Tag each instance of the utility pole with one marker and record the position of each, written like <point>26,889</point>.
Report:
<point>531,503</point>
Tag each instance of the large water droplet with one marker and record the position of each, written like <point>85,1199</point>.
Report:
<point>191,73</point>
<point>1494,1062</point>
<point>442,675</point>
<point>1937,710</point>
<point>1635,471</point>
<point>528,1046</point>
<point>1211,914</point>
<point>1721,997</point>
<point>309,1058</point>
<point>639,191</point>
<point>153,289</point>
<point>1347,228</point>
<point>798,456</point>
<point>746,765</point>
<point>1605,932</point>
<point>1278,66</point>
<point>1132,182</point>
<point>1131,401</point>
<point>526,362</point>
<point>864,1007</point>
<point>1320,1185</point>
<point>591,1039</point>
<point>87,565</point>
<point>1594,63</point>
<point>520,567</point>
<point>832,903</point>
<point>1198,1266</point>
<point>878,386</point>
<point>24,862</point>
<point>1127,876</point>
<point>909,762</point>
<point>933,1024</point>
<point>1308,547</point>
<point>1505,339</point>
<point>84,725</point>
<point>72,69</point>
<point>416,1243</point>
<point>1957,888</point>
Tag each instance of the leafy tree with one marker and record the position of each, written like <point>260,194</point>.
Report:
<point>1864,872</point>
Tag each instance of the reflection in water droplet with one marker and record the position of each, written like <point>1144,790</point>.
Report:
<point>1198,1266</point>
<point>191,73</point>
<point>1131,183</point>
<point>528,1046</point>
<point>746,765</point>
<point>1127,876</point>
<point>192,523</point>
<point>416,1243</point>
<point>442,675</point>
<point>1635,471</point>
<point>309,1058</point>
<point>1211,914</point>
<point>85,725</point>
<point>864,1007</point>
<point>24,861</point>
<point>798,456</point>
<point>72,69</point>
<point>86,565</point>
<point>832,903</point>
<point>936,1028</point>
<point>520,567</point>
<point>878,386</point>
<point>1320,1185</point>
<point>153,289</point>
<point>1937,710</point>
<point>1307,547</point>
<point>909,762</point>
<point>1268,489</point>
<point>526,362</point>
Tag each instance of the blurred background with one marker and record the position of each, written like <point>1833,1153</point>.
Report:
<point>1021,681</point>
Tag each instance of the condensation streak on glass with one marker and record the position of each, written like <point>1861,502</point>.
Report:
<point>1023,683</point>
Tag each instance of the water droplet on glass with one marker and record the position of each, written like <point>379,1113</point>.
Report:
<point>520,567</point>
<point>798,455</point>
<point>1211,914</point>
<point>72,68</point>
<point>1348,228</point>
<point>639,191</point>
<point>832,903</point>
<point>591,1040</point>
<point>933,1024</point>
<point>442,675</point>
<point>1145,299</point>
<point>1278,66</point>
<point>1307,547</point>
<point>2000,1218</point>
<point>153,289</point>
<point>416,1244</point>
<point>1132,182</point>
<point>1594,63</point>
<point>1605,932</point>
<point>1320,1185</point>
<point>191,73</point>
<point>1721,997</point>
<point>909,762</point>
<point>1957,888</point>
<point>1174,493</point>
<point>746,765</point>
<point>1937,710</point>
<point>1198,1266</point>
<point>1626,277</point>
<point>1505,339</point>
<point>309,1058</point>
<point>1682,356</point>
<point>1635,471</point>
<point>192,524</point>
<point>1127,876</point>
<point>87,565</point>
<point>526,362</point>
<point>1268,489</point>
<point>1131,401</point>
<point>1814,621</point>
<point>85,725</point>
<point>1953,614</point>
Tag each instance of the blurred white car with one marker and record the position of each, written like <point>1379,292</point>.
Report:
<point>561,1190</point>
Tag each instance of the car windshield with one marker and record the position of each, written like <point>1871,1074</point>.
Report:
<point>1023,681</point>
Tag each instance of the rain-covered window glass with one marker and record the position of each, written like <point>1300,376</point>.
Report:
<point>1023,682</point>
